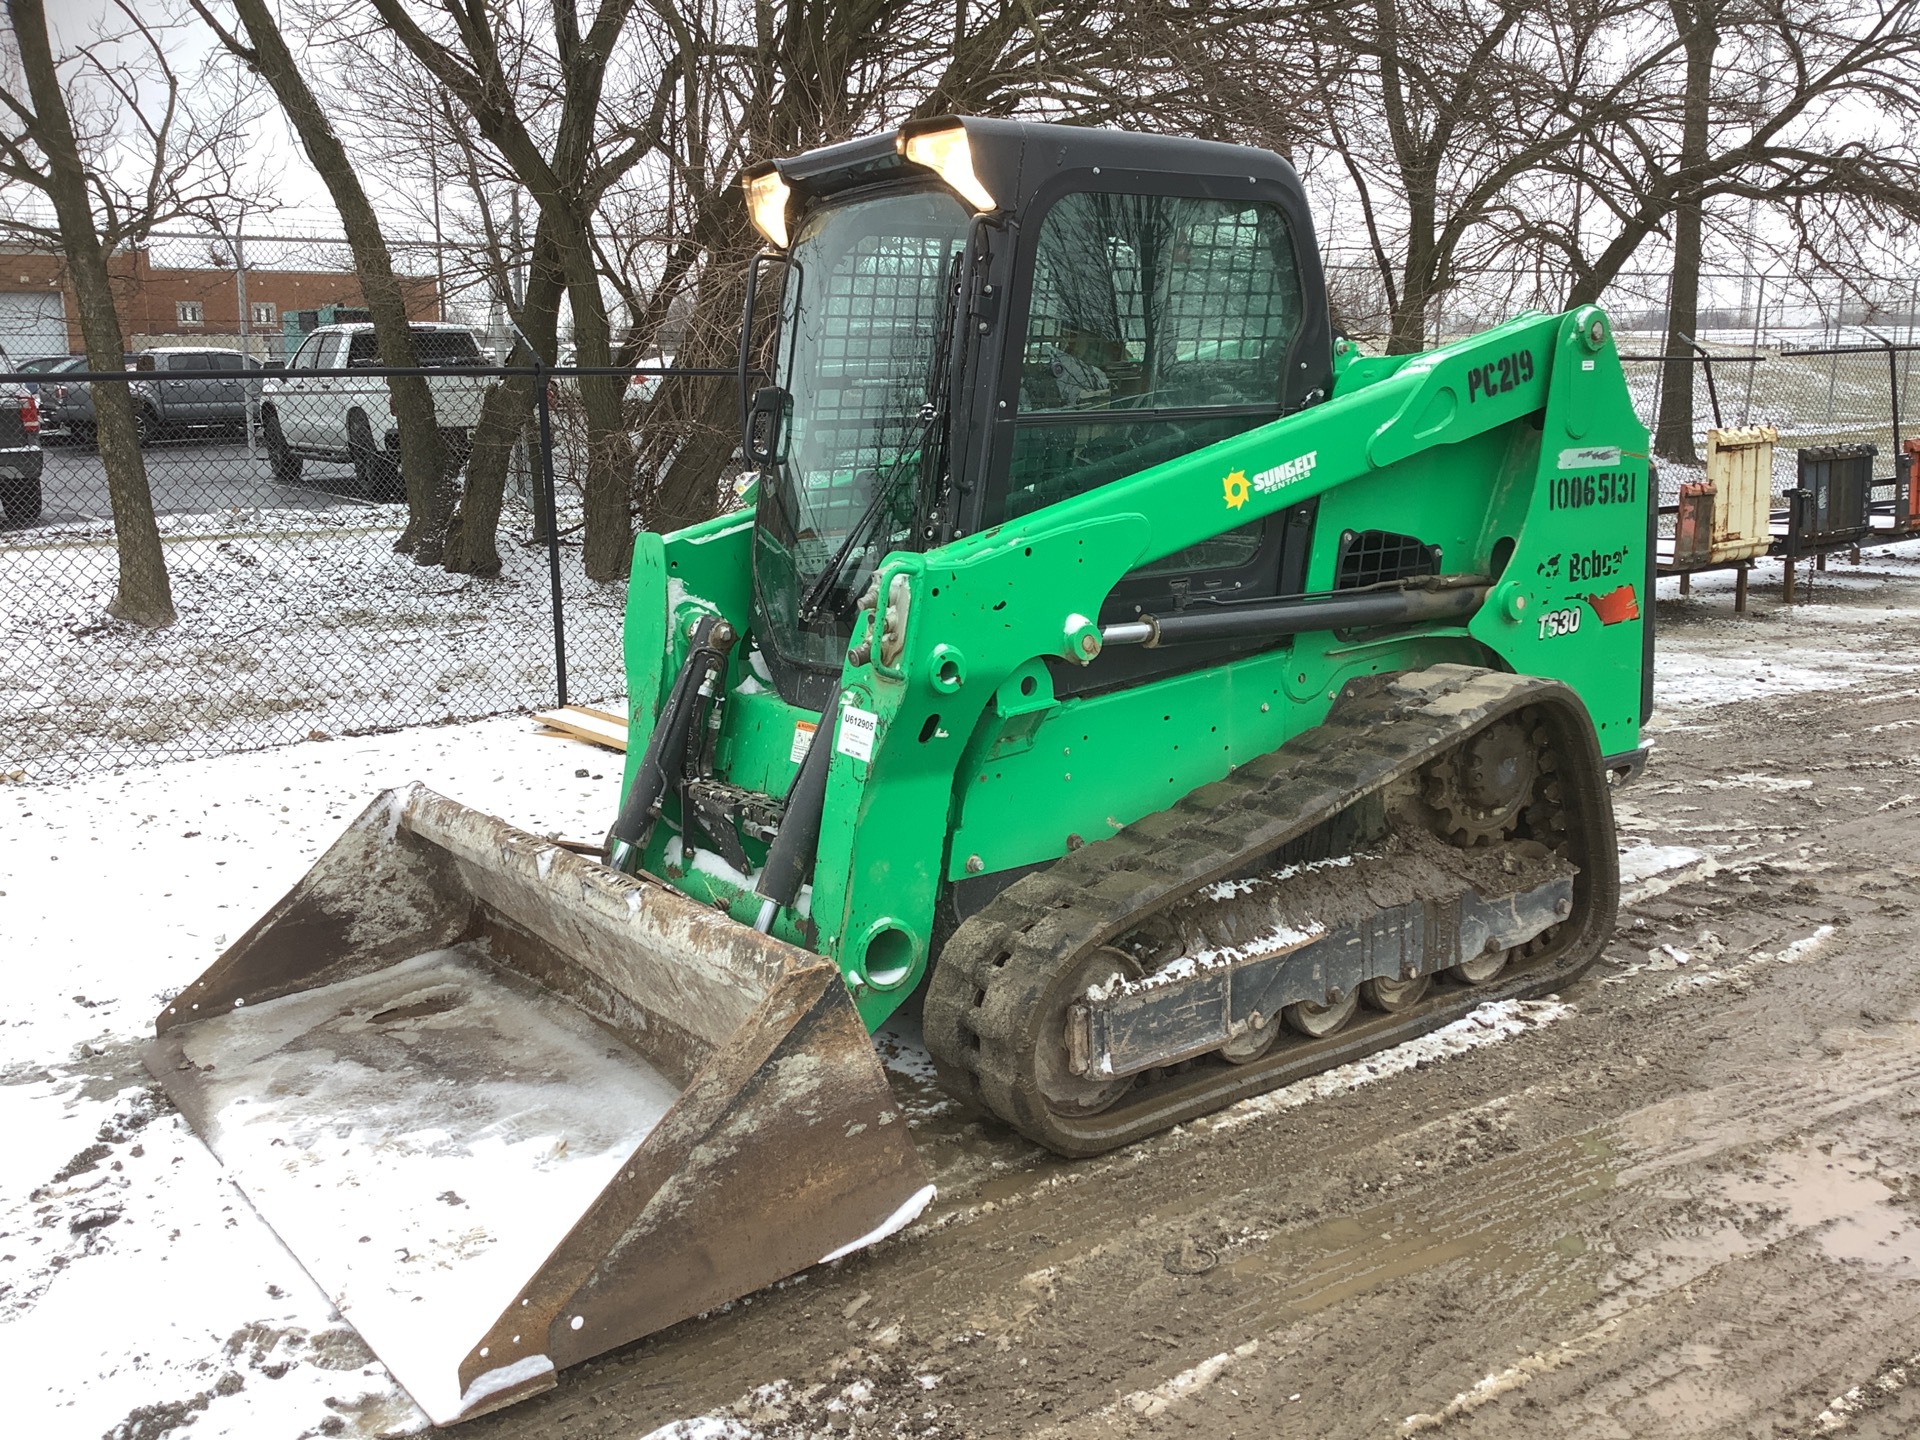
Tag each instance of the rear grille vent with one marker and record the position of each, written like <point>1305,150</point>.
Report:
<point>1372,557</point>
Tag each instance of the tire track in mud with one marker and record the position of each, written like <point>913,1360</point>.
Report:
<point>1066,1262</point>
<point>1723,1349</point>
<point>1495,1230</point>
<point>990,1272</point>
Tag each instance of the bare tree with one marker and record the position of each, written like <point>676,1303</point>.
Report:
<point>423,458</point>
<point>773,79</point>
<point>472,55</point>
<point>140,157</point>
<point>1448,126</point>
<point>1697,22</point>
<point>1809,113</point>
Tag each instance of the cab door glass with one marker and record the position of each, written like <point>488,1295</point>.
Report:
<point>192,391</point>
<point>298,400</point>
<point>1156,325</point>
<point>230,393</point>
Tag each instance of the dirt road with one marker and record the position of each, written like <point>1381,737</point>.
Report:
<point>1685,1201</point>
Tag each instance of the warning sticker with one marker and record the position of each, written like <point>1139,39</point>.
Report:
<point>802,740</point>
<point>857,729</point>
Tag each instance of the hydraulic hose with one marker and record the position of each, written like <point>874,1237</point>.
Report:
<point>790,857</point>
<point>666,753</point>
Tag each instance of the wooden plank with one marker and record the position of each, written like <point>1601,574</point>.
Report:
<point>619,721</point>
<point>577,722</point>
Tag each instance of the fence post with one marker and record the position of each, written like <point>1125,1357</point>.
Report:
<point>1906,366</point>
<point>1893,396</point>
<point>553,529</point>
<point>1759,304</point>
<point>1660,371</point>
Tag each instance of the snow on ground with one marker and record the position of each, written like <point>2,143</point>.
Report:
<point>1828,640</point>
<point>137,1287</point>
<point>290,621</point>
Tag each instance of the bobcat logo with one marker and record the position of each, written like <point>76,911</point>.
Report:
<point>1549,568</point>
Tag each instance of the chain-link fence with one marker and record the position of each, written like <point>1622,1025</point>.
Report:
<point>278,501</point>
<point>297,617</point>
<point>1856,387</point>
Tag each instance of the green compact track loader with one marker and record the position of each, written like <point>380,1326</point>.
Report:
<point>1109,659</point>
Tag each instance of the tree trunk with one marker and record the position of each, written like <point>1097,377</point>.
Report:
<point>609,530</point>
<point>473,535</point>
<point>690,490</point>
<point>423,459</point>
<point>1673,429</point>
<point>1408,332</point>
<point>693,426</point>
<point>143,595</point>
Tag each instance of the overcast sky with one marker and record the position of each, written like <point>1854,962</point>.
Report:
<point>275,161</point>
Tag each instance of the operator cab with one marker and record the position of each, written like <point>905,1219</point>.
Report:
<point>980,318</point>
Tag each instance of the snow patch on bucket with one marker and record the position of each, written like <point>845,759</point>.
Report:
<point>422,1138</point>
<point>899,1220</point>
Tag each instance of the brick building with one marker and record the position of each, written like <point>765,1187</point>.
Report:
<point>162,305</point>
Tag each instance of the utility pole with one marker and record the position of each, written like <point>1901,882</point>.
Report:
<point>237,243</point>
<point>246,330</point>
<point>433,171</point>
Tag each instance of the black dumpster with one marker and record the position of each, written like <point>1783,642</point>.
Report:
<point>1831,506</point>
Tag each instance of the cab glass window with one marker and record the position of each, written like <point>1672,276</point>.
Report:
<point>1156,325</point>
<point>445,347</point>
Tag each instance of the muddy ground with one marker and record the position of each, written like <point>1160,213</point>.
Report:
<point>1688,1204</point>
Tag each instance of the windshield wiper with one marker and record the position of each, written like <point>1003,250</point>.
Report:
<point>933,412</point>
<point>818,592</point>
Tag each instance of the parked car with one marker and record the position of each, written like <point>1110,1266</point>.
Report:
<point>184,389</point>
<point>38,365</point>
<point>20,457</point>
<point>346,420</point>
<point>66,406</point>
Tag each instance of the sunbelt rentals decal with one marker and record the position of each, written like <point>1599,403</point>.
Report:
<point>1239,487</point>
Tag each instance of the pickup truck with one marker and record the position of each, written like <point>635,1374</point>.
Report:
<point>183,389</point>
<point>348,420</point>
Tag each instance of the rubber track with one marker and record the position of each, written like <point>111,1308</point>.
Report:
<point>987,999</point>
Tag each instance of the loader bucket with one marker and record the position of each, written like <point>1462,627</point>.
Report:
<point>511,1109</point>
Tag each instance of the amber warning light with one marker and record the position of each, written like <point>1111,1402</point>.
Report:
<point>947,153</point>
<point>767,196</point>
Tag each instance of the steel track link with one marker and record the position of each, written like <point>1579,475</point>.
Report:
<point>997,993</point>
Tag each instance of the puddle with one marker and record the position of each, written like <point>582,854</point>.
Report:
<point>1837,1199</point>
